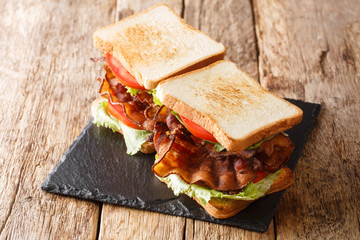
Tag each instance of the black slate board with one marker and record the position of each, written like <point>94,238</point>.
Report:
<point>96,167</point>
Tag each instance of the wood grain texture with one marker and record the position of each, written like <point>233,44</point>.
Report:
<point>307,49</point>
<point>47,83</point>
<point>310,50</point>
<point>231,23</point>
<point>125,223</point>
<point>203,230</point>
<point>126,8</point>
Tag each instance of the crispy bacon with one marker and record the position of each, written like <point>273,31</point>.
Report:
<point>193,159</point>
<point>139,109</point>
<point>178,154</point>
<point>274,153</point>
<point>174,125</point>
<point>223,171</point>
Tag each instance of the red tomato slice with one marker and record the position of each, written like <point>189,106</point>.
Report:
<point>197,130</point>
<point>117,111</point>
<point>121,73</point>
<point>260,175</point>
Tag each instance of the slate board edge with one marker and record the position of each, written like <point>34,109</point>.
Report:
<point>73,192</point>
<point>62,159</point>
<point>315,114</point>
<point>257,227</point>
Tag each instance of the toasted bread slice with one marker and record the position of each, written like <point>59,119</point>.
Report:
<point>225,208</point>
<point>156,44</point>
<point>229,104</point>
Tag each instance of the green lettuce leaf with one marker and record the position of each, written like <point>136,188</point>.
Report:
<point>155,99</point>
<point>218,147</point>
<point>134,138</point>
<point>132,91</point>
<point>285,134</point>
<point>178,117</point>
<point>252,191</point>
<point>256,145</point>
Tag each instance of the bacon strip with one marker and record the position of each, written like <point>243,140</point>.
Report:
<point>178,154</point>
<point>188,156</point>
<point>275,152</point>
<point>139,109</point>
<point>223,171</point>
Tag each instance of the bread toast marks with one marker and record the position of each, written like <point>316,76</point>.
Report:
<point>229,104</point>
<point>156,44</point>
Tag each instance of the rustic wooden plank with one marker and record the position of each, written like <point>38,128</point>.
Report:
<point>126,223</point>
<point>126,8</point>
<point>310,50</point>
<point>47,83</point>
<point>230,22</point>
<point>118,222</point>
<point>202,230</point>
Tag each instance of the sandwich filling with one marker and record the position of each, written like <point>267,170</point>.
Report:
<point>252,191</point>
<point>138,109</point>
<point>197,162</point>
<point>133,109</point>
<point>183,158</point>
<point>134,138</point>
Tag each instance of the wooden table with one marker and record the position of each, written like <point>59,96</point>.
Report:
<point>308,50</point>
